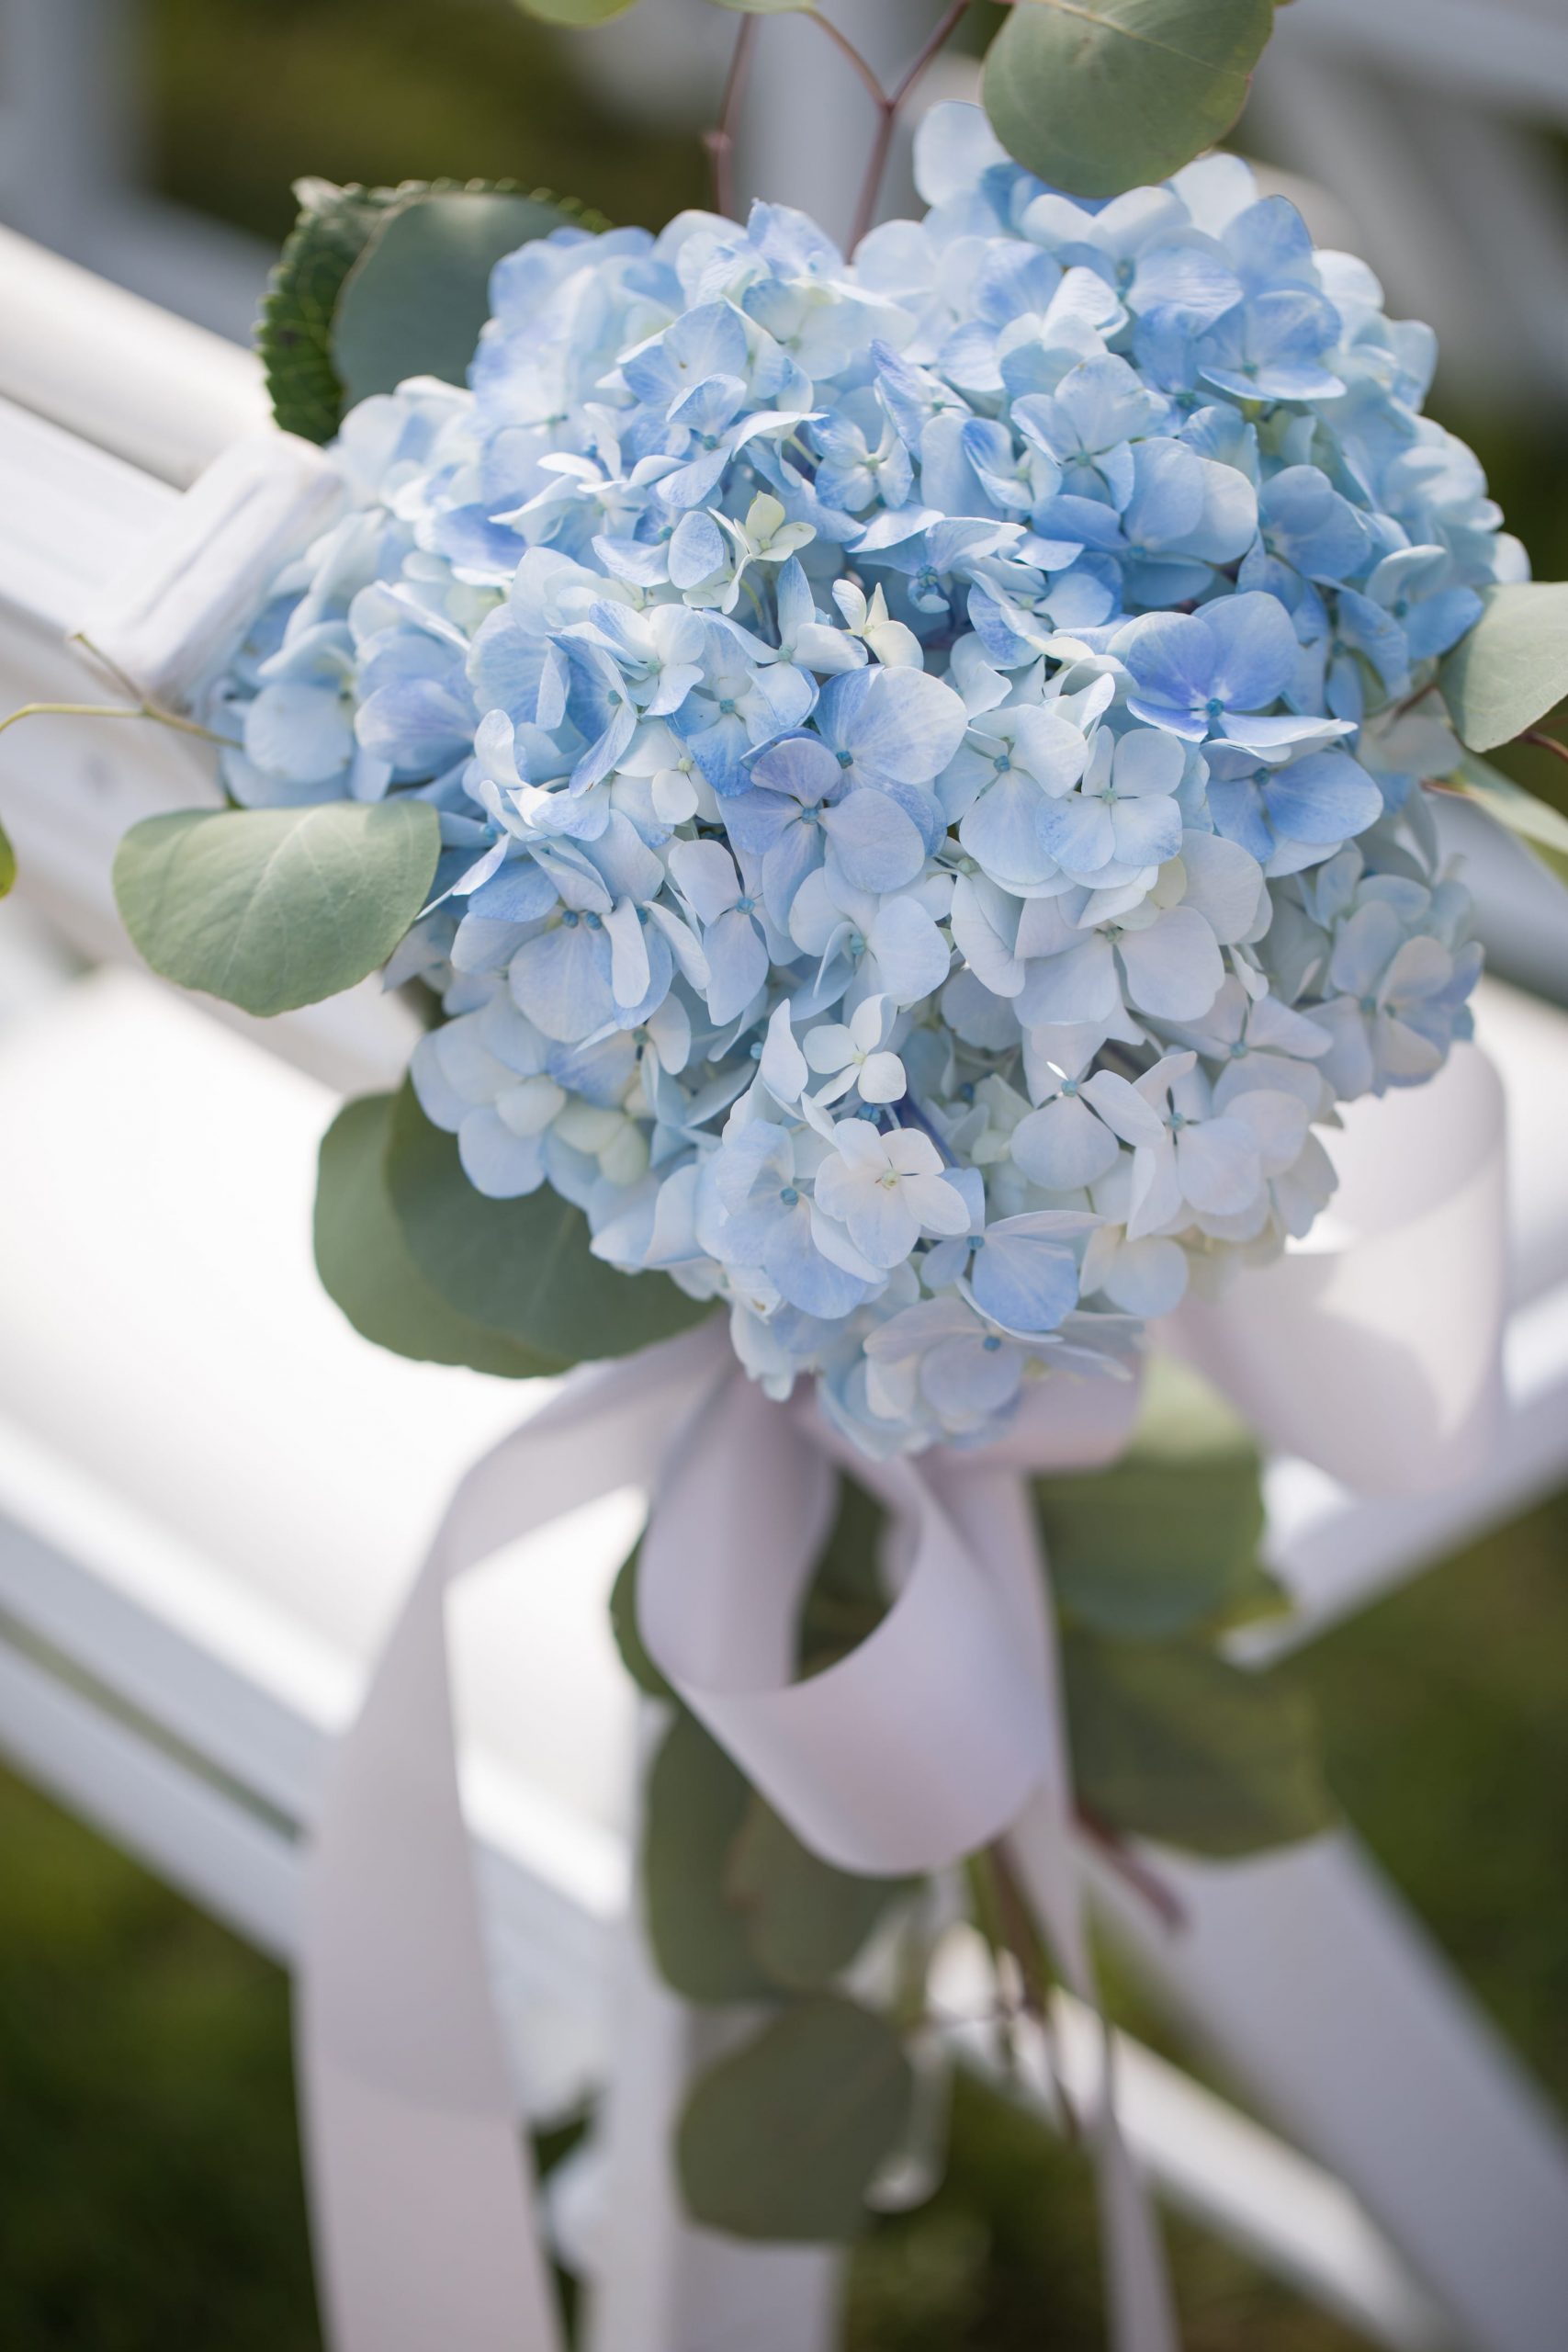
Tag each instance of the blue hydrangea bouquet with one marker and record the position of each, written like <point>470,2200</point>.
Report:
<point>901,784</point>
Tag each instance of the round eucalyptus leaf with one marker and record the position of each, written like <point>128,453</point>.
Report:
<point>1171,1742</point>
<point>805,1920</point>
<point>1542,828</point>
<point>1513,666</point>
<point>577,14</point>
<point>415,299</point>
<point>364,1262</point>
<point>695,1804</point>
<point>274,907</point>
<point>1100,96</point>
<point>781,2140</point>
<point>524,1267</point>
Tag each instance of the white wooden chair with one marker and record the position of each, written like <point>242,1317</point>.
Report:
<point>211,1493</point>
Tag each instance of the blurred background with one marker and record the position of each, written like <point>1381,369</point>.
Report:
<point>150,2193</point>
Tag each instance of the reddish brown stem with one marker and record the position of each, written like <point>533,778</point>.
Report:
<point>721,141</point>
<point>887,103</point>
<point>1544,742</point>
<point>1143,1881</point>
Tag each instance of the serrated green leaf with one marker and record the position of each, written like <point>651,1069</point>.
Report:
<point>1171,1742</point>
<point>695,1804</point>
<point>781,2140</point>
<point>294,331</point>
<point>805,1920</point>
<point>1100,96</point>
<point>364,1262</point>
<point>1542,828</point>
<point>417,295</point>
<point>1512,668</point>
<point>274,907</point>
<point>7,863</point>
<point>524,1267</point>
<point>577,14</point>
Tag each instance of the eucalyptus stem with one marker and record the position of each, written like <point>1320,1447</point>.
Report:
<point>890,105</point>
<point>117,710</point>
<point>1544,742</point>
<point>721,141</point>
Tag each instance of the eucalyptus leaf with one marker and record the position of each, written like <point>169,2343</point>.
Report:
<point>364,1262</point>
<point>7,863</point>
<point>1512,668</point>
<point>696,1804</point>
<point>1542,828</point>
<point>274,907</point>
<point>415,299</point>
<point>628,1633</point>
<point>523,1268</point>
<point>781,2140</point>
<point>805,1920</point>
<point>1171,1742</point>
<point>295,329</point>
<point>577,14</point>
<point>1166,1540</point>
<point>1100,96</point>
<point>846,1599</point>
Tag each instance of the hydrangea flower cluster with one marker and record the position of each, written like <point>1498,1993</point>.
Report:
<point>924,749</point>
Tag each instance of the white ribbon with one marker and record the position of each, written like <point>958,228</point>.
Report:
<point>941,1732</point>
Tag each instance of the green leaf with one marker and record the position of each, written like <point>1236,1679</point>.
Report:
<point>1171,1742</point>
<point>524,1267</point>
<point>805,1920</point>
<point>577,14</point>
<point>1100,95</point>
<point>781,2140</point>
<point>846,1600</point>
<point>415,299</point>
<point>1166,1540</point>
<point>274,907</point>
<point>1513,666</point>
<point>294,331</point>
<point>364,1262</point>
<point>628,1633</point>
<point>696,1804</point>
<point>1542,828</point>
<point>7,863</point>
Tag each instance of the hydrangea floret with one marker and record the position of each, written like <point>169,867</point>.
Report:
<point>916,744</point>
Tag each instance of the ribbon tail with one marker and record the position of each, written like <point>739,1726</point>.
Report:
<point>421,2199</point>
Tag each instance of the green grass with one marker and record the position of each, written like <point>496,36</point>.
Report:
<point>150,2192</point>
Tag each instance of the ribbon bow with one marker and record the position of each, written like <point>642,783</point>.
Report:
<point>1375,1353</point>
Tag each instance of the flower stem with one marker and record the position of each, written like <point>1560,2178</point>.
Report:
<point>1544,742</point>
<point>116,710</point>
<point>721,141</point>
<point>889,103</point>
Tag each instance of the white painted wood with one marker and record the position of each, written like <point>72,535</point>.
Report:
<point>1316,1990</point>
<point>1213,2164</point>
<point>135,379</point>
